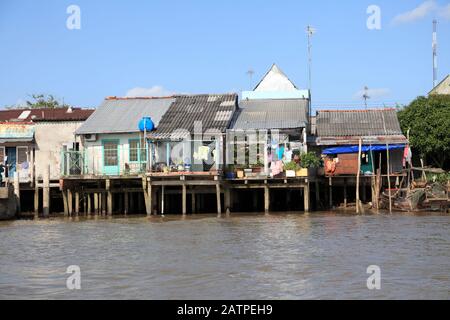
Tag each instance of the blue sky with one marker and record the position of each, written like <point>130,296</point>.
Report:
<point>208,46</point>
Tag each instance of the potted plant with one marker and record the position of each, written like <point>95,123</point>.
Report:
<point>311,162</point>
<point>230,173</point>
<point>239,172</point>
<point>290,168</point>
<point>257,167</point>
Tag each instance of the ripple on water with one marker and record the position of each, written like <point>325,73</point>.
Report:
<point>280,256</point>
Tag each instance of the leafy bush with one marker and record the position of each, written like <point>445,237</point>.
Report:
<point>310,160</point>
<point>291,166</point>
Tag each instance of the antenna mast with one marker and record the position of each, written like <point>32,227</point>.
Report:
<point>434,53</point>
<point>366,95</point>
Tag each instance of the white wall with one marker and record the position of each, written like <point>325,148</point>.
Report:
<point>50,137</point>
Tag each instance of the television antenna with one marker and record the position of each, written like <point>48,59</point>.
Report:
<point>366,95</point>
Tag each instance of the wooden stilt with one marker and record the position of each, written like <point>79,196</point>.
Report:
<point>17,191</point>
<point>316,183</point>
<point>103,203</point>
<point>150,198</point>
<point>227,200</point>
<point>266,198</point>
<point>193,204</point>
<point>126,203</point>
<point>358,176</point>
<point>109,197</point>
<point>183,199</point>
<point>77,203</point>
<point>69,202</point>
<point>66,208</point>
<point>162,200</point>
<point>345,193</point>
<point>306,197</point>
<point>46,192</point>
<point>330,187</point>
<point>89,206</point>
<point>219,206</point>
<point>96,210</point>
<point>36,201</point>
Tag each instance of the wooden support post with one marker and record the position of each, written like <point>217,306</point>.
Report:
<point>77,203</point>
<point>46,192</point>
<point>150,198</point>
<point>330,187</point>
<point>306,197</point>
<point>103,197</point>
<point>36,201</point>
<point>162,200</point>
<point>148,210</point>
<point>96,210</point>
<point>219,205</point>
<point>66,208</point>
<point>109,197</point>
<point>126,203</point>
<point>389,178</point>
<point>364,189</point>
<point>193,204</point>
<point>358,174</point>
<point>69,202</point>
<point>183,199</point>
<point>345,193</point>
<point>316,183</point>
<point>17,191</point>
<point>227,199</point>
<point>89,206</point>
<point>266,198</point>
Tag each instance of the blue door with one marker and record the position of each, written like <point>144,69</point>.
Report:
<point>111,157</point>
<point>11,162</point>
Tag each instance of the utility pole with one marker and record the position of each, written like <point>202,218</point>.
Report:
<point>310,32</point>
<point>434,44</point>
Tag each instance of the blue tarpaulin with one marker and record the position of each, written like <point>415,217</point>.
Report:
<point>364,148</point>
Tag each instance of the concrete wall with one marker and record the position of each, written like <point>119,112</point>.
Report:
<point>50,138</point>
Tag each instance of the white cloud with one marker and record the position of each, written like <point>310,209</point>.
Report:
<point>416,14</point>
<point>444,12</point>
<point>155,91</point>
<point>373,93</point>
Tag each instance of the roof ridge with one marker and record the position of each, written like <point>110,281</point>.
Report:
<point>359,110</point>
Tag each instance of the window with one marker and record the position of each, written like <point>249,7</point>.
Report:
<point>110,154</point>
<point>137,154</point>
<point>134,150</point>
<point>22,155</point>
<point>2,155</point>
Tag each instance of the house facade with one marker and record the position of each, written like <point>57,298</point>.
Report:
<point>271,124</point>
<point>111,142</point>
<point>338,133</point>
<point>31,140</point>
<point>443,88</point>
<point>190,135</point>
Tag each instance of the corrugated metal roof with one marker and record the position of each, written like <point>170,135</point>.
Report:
<point>272,114</point>
<point>213,111</point>
<point>339,123</point>
<point>122,115</point>
<point>45,114</point>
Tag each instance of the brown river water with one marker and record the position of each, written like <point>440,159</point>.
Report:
<point>278,256</point>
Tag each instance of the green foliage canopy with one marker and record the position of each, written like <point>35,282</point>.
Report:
<point>428,120</point>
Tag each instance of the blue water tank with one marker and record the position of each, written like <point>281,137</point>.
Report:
<point>146,124</point>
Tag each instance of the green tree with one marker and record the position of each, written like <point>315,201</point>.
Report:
<point>428,120</point>
<point>38,101</point>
